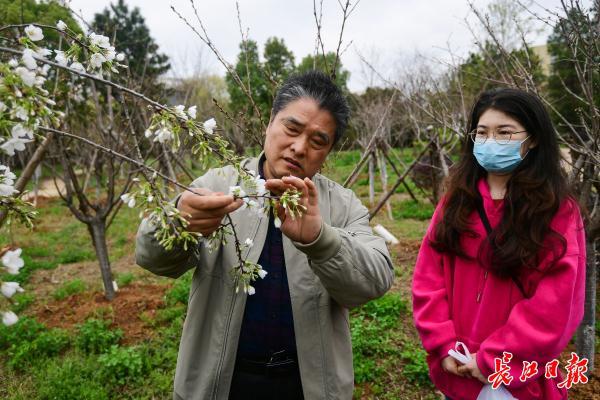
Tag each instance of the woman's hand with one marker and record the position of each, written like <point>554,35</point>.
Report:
<point>471,369</point>
<point>450,365</point>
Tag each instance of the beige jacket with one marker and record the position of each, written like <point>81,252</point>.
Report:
<point>345,267</point>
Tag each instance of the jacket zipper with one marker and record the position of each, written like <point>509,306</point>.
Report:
<point>481,287</point>
<point>229,315</point>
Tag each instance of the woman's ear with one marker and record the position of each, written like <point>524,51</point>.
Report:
<point>532,143</point>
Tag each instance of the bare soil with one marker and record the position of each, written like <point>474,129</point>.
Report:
<point>133,306</point>
<point>45,282</point>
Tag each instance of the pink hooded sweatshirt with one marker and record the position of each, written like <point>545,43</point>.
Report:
<point>455,299</point>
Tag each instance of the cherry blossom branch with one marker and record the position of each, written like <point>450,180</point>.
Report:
<point>91,77</point>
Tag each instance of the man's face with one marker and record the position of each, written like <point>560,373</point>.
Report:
<point>298,139</point>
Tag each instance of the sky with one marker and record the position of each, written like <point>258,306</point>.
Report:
<point>387,32</point>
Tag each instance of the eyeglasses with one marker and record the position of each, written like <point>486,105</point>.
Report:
<point>501,136</point>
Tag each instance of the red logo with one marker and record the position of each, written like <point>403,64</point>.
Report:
<point>576,369</point>
<point>501,369</point>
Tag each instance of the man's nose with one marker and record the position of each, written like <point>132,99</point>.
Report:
<point>299,146</point>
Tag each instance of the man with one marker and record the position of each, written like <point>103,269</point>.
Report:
<point>291,339</point>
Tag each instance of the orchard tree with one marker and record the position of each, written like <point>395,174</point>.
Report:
<point>571,103</point>
<point>31,11</point>
<point>325,63</point>
<point>128,29</point>
<point>279,61</point>
<point>29,112</point>
<point>252,102</point>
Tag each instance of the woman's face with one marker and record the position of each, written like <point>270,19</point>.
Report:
<point>493,122</point>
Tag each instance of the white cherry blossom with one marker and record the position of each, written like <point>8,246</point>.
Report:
<point>12,145</point>
<point>9,318</point>
<point>44,69</point>
<point>28,59</point>
<point>163,135</point>
<point>96,60</point>
<point>60,57</point>
<point>34,33</point>
<point>180,111</point>
<point>20,131</point>
<point>39,81</point>
<point>129,199</point>
<point>7,190</point>
<point>9,289</point>
<point>99,40</point>
<point>21,113</point>
<point>27,76</point>
<point>77,66</point>
<point>209,126</point>
<point>12,261</point>
<point>43,53</point>
<point>7,176</point>
<point>237,191</point>
<point>60,25</point>
<point>110,53</point>
<point>192,112</point>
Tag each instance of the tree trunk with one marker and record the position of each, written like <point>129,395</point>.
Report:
<point>36,183</point>
<point>29,169</point>
<point>384,185</point>
<point>586,335</point>
<point>434,174</point>
<point>98,231</point>
<point>372,161</point>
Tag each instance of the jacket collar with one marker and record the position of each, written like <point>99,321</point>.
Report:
<point>251,164</point>
<point>484,189</point>
<point>491,206</point>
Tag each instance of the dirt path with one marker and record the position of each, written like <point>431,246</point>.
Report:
<point>47,189</point>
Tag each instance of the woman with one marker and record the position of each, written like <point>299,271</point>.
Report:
<point>502,265</point>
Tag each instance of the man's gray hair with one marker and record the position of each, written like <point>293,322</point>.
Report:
<point>321,88</point>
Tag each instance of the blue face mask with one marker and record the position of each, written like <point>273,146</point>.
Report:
<point>499,158</point>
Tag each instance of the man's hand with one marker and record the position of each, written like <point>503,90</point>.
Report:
<point>205,210</point>
<point>306,228</point>
<point>472,370</point>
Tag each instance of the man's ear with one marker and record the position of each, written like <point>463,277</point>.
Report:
<point>271,116</point>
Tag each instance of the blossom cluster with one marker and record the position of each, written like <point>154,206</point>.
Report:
<point>251,191</point>
<point>103,54</point>
<point>166,126</point>
<point>11,263</point>
<point>25,106</point>
<point>11,259</point>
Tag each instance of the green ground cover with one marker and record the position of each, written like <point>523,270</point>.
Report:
<point>97,358</point>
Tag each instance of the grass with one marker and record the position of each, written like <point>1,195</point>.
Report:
<point>69,288</point>
<point>92,361</point>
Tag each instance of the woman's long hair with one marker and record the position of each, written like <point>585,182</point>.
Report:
<point>533,196</point>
